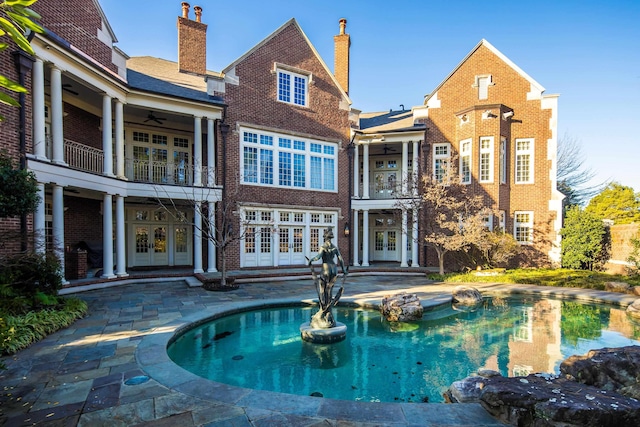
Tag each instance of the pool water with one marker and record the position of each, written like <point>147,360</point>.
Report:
<point>403,362</point>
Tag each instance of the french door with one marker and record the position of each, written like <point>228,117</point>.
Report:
<point>291,247</point>
<point>385,245</point>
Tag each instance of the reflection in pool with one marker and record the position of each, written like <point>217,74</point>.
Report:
<point>406,362</point>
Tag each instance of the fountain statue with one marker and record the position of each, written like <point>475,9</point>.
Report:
<point>323,328</point>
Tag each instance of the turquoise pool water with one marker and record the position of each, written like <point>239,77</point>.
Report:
<point>409,362</point>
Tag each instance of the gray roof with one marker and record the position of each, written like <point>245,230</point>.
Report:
<point>160,76</point>
<point>391,121</point>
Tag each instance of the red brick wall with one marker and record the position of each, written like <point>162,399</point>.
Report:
<point>78,22</point>
<point>254,102</point>
<point>192,46</point>
<point>82,220</point>
<point>10,141</point>
<point>82,126</point>
<point>530,121</point>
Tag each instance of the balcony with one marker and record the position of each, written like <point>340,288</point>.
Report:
<point>89,159</point>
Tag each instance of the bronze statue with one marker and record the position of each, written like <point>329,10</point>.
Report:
<point>323,319</point>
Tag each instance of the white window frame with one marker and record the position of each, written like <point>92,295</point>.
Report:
<point>327,159</point>
<point>502,221</point>
<point>293,73</point>
<point>486,154</point>
<point>443,159</point>
<point>503,160</point>
<point>519,162</point>
<point>519,223</point>
<point>466,153</point>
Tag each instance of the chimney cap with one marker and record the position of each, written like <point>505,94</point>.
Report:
<point>198,11</point>
<point>343,25</point>
<point>185,10</point>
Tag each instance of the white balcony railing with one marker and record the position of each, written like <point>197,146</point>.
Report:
<point>89,159</point>
<point>83,157</point>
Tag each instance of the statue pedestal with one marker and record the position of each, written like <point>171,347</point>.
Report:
<point>323,336</point>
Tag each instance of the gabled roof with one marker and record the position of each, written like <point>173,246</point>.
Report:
<point>292,21</point>
<point>391,121</point>
<point>105,20</point>
<point>500,55</point>
<point>161,76</point>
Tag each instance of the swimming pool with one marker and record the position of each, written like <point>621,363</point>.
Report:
<point>407,362</point>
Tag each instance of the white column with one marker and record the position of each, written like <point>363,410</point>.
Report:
<point>365,238</point>
<point>40,238</point>
<point>121,251</point>
<point>197,151</point>
<point>211,153</point>
<point>58,227</point>
<point>37,88</point>
<point>405,170</point>
<point>356,171</point>
<point>365,172</point>
<point>211,246</point>
<point>56,111</point>
<point>107,237</point>
<point>119,124</point>
<point>403,239</point>
<point>415,170</point>
<point>197,238</point>
<point>355,227</point>
<point>107,139</point>
<point>414,241</point>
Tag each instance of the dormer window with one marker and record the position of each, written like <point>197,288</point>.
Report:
<point>292,85</point>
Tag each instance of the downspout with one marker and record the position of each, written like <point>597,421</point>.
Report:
<point>24,63</point>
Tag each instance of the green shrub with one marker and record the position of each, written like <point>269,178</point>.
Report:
<point>18,332</point>
<point>584,240</point>
<point>28,275</point>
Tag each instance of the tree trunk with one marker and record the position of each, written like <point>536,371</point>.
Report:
<point>223,267</point>
<point>440,261</point>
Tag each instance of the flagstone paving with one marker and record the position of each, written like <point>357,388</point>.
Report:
<point>111,367</point>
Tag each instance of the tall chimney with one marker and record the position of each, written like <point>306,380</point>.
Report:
<point>192,42</point>
<point>342,43</point>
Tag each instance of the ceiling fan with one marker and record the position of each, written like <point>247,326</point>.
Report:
<point>152,117</point>
<point>386,149</point>
<point>66,87</point>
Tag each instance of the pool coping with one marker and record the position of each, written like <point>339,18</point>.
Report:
<point>152,357</point>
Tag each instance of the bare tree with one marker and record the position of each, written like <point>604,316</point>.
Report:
<point>573,176</point>
<point>454,218</point>
<point>223,226</point>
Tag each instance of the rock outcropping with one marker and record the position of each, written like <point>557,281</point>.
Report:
<point>598,389</point>
<point>401,307</point>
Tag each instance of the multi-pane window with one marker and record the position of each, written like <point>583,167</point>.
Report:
<point>503,160</point>
<point>292,88</point>
<point>486,159</point>
<point>465,161</point>
<point>297,163</point>
<point>523,227</point>
<point>524,161</point>
<point>441,157</point>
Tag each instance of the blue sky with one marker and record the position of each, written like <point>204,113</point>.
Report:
<point>586,51</point>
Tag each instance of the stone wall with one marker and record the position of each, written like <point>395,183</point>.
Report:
<point>621,235</point>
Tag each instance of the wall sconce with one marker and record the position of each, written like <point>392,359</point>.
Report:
<point>346,229</point>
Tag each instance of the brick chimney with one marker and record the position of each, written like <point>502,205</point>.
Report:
<point>341,56</point>
<point>192,42</point>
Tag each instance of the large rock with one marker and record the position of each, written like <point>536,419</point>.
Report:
<point>633,309</point>
<point>539,401</point>
<point>466,295</point>
<point>617,287</point>
<point>401,307</point>
<point>611,369</point>
<point>601,388</point>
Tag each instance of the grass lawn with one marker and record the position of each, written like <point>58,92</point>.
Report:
<point>544,277</point>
